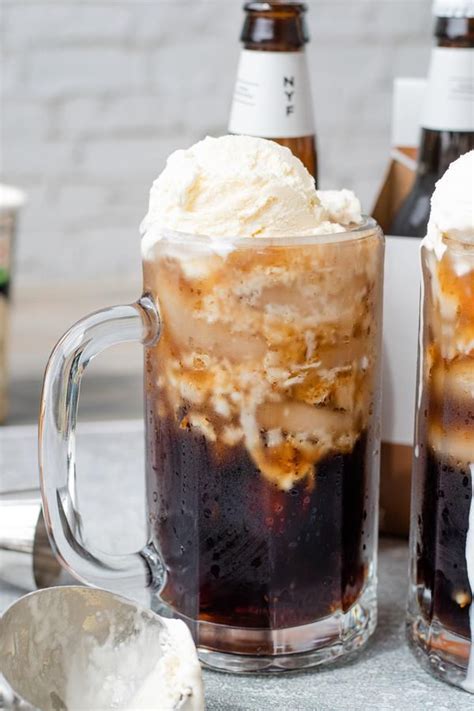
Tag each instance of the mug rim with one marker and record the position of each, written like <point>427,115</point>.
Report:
<point>368,227</point>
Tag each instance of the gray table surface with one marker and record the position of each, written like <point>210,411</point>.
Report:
<point>384,677</point>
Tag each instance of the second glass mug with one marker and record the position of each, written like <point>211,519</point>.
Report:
<point>262,391</point>
<point>441,608</point>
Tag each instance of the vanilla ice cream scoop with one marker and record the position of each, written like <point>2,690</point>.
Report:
<point>452,205</point>
<point>241,186</point>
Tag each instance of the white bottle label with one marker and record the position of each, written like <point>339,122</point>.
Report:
<point>449,104</point>
<point>272,96</point>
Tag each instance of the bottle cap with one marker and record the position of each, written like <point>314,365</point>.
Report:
<point>453,8</point>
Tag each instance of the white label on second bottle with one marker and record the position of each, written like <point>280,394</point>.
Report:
<point>449,103</point>
<point>272,96</point>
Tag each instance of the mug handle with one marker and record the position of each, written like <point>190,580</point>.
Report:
<point>57,446</point>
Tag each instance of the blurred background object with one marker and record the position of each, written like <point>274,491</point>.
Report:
<point>447,118</point>
<point>94,98</point>
<point>26,558</point>
<point>11,200</point>
<point>433,122</point>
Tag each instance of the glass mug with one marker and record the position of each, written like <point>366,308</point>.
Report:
<point>262,390</point>
<point>440,611</point>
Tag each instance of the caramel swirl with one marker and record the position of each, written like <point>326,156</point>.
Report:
<point>273,347</point>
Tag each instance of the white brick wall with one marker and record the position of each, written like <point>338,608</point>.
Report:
<point>96,94</point>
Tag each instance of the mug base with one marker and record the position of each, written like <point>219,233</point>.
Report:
<point>440,652</point>
<point>251,650</point>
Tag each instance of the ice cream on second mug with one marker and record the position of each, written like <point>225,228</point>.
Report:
<point>262,403</point>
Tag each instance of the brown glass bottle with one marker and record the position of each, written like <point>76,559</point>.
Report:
<point>272,97</point>
<point>448,117</point>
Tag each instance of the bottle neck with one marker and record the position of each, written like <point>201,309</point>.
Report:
<point>272,96</point>
<point>274,27</point>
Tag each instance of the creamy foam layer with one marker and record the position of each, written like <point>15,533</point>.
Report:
<point>273,349</point>
<point>452,297</point>
<point>241,186</point>
<point>449,360</point>
<point>448,257</point>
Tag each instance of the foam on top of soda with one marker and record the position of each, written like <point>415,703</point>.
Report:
<point>273,349</point>
<point>452,206</point>
<point>242,186</point>
<point>448,373</point>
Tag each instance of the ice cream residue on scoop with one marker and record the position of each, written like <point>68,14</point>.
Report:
<point>148,672</point>
<point>83,649</point>
<point>241,186</point>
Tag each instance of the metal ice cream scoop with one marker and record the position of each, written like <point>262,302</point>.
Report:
<point>71,648</point>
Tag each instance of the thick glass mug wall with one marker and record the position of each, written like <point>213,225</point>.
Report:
<point>441,614</point>
<point>262,412</point>
<point>262,401</point>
